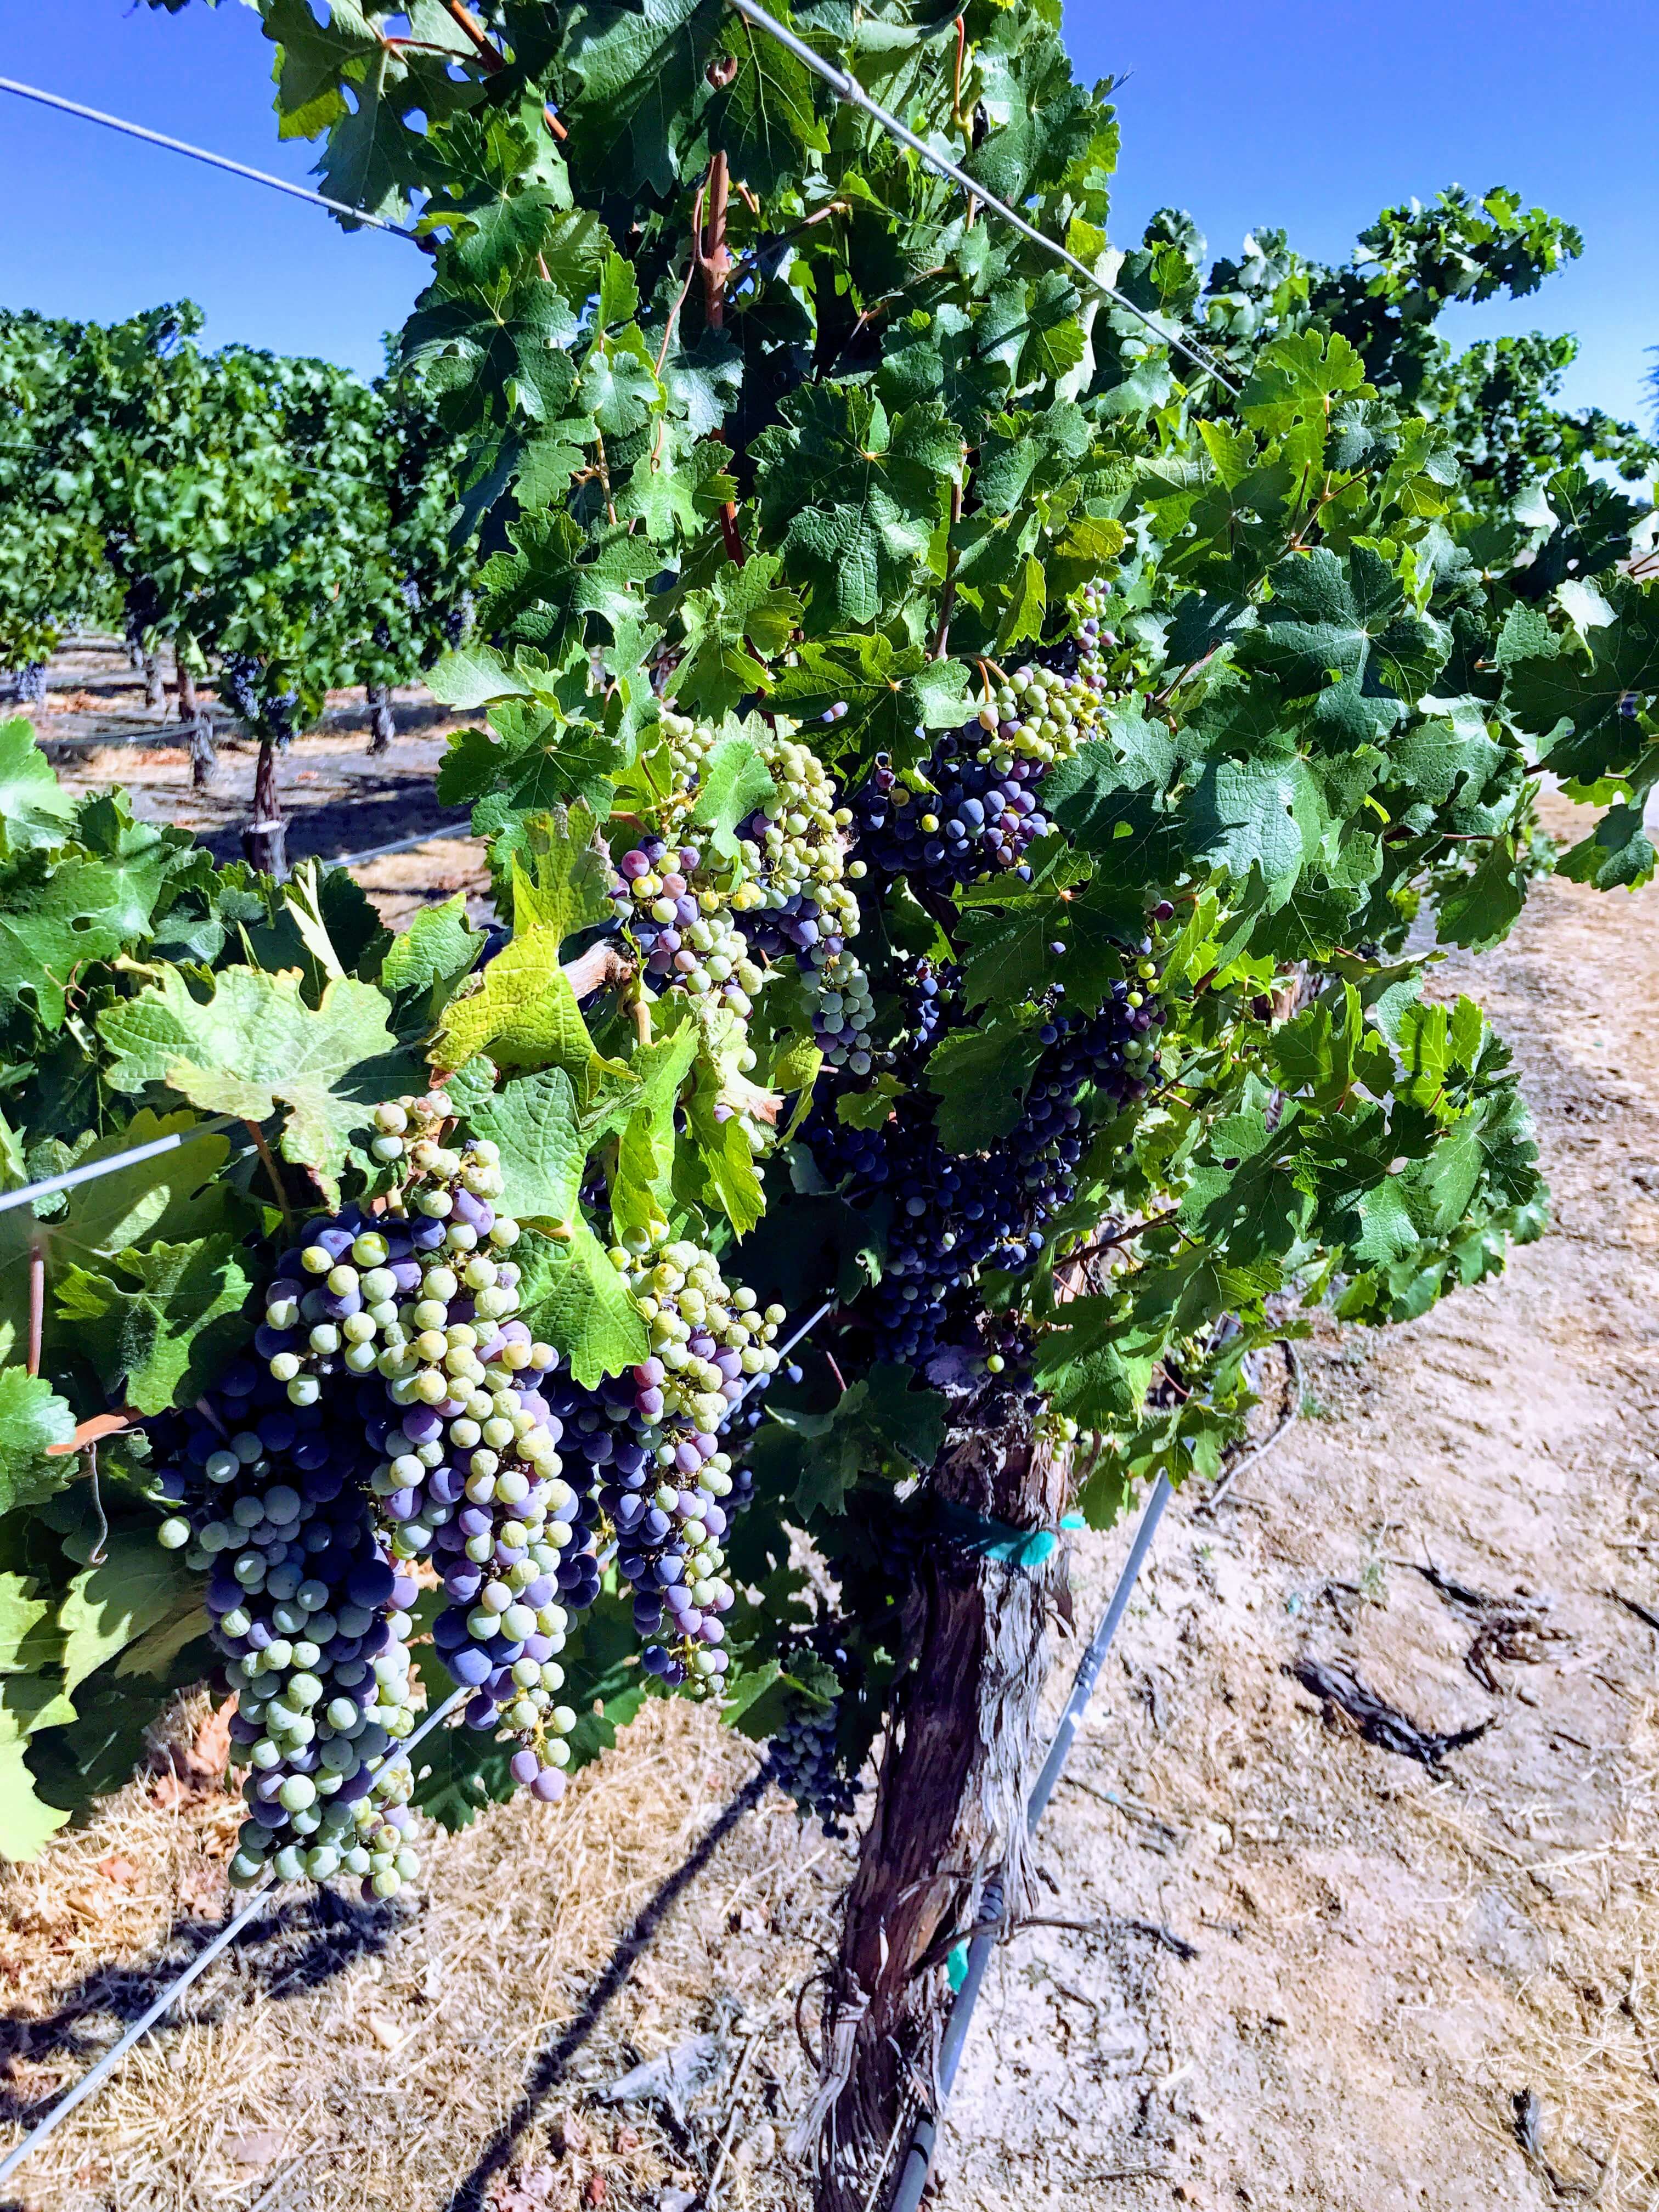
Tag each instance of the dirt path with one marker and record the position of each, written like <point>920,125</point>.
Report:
<point>1386,1957</point>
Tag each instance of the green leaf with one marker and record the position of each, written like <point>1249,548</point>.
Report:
<point>521,1011</point>
<point>1618,854</point>
<point>160,1337</point>
<point>542,1150</point>
<point>136,1588</point>
<point>732,631</point>
<point>254,1049</point>
<point>32,1416</point>
<point>33,807</point>
<point>52,921</point>
<point>980,1077</point>
<point>734,781</point>
<point>570,1294</point>
<point>431,956</point>
<point>26,1823</point>
<point>560,878</point>
<point>179,1195</point>
<point>857,498</point>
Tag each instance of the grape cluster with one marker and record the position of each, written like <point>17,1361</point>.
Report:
<point>978,821</point>
<point>420,1304</point>
<point>843,1012</point>
<point>793,896</point>
<point>242,682</point>
<point>310,1616</point>
<point>669,1482</point>
<point>684,933</point>
<point>1038,715</point>
<point>719,928</point>
<point>1095,641</point>
<point>804,1757</point>
<point>953,1214</point>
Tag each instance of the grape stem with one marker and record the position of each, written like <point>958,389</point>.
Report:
<point>1120,1237</point>
<point>37,1299</point>
<point>264,1152</point>
<point>601,964</point>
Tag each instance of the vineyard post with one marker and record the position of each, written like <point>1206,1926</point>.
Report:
<point>264,841</point>
<point>382,723</point>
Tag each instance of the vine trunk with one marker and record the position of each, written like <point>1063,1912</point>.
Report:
<point>950,1806</point>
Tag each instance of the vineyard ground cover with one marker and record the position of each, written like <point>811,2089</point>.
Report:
<point>1387,1957</point>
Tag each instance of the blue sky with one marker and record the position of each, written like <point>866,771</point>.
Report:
<point>1309,114</point>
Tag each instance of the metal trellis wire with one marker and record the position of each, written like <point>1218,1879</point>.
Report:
<point>201,154</point>
<point>847,86</point>
<point>49,1186</point>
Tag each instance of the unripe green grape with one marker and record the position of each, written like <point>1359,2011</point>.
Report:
<point>174,1533</point>
<point>304,1390</point>
<point>297,1793</point>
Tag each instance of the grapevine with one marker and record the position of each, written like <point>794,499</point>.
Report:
<point>968,795</point>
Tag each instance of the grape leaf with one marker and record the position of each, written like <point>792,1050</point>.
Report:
<point>561,876</point>
<point>34,808</point>
<point>735,780</point>
<point>542,1151</point>
<point>570,1294</point>
<point>255,1047</point>
<point>438,947</point>
<point>179,1195</point>
<point>26,1823</point>
<point>521,1011</point>
<point>32,1416</point>
<point>161,1337</point>
<point>133,1589</point>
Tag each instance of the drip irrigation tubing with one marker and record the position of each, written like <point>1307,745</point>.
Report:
<point>913,2177</point>
<point>96,2075</point>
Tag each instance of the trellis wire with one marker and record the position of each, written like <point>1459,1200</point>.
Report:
<point>847,86</point>
<point>913,2178</point>
<point>49,1186</point>
<point>198,1965</point>
<point>201,154</point>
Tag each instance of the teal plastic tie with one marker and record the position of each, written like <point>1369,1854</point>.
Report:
<point>956,1965</point>
<point>1000,1539</point>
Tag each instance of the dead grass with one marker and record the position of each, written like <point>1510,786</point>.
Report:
<point>447,2052</point>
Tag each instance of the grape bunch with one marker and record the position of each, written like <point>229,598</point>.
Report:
<point>653,1438</point>
<point>978,821</point>
<point>843,1012</point>
<point>243,680</point>
<point>418,1303</point>
<point>804,1758</point>
<point>1095,641</point>
<point>719,928</point>
<point>954,1214</point>
<point>1039,715</point>
<point>310,1618</point>
<point>685,933</point>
